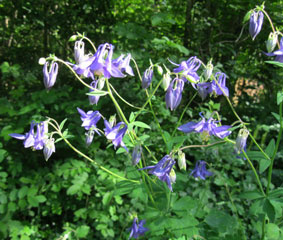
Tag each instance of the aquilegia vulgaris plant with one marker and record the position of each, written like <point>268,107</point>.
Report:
<point>154,176</point>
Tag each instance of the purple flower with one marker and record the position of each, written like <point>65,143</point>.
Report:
<point>79,52</point>
<point>49,76</point>
<point>208,127</point>
<point>200,171</point>
<point>147,78</point>
<point>116,133</point>
<point>278,53</point>
<point>174,93</point>
<point>124,64</point>
<point>221,79</point>
<point>93,99</point>
<point>137,229</point>
<point>188,69</point>
<point>83,68</point>
<point>162,170</point>
<point>102,63</point>
<point>90,119</point>
<point>32,139</point>
<point>256,21</point>
<point>241,140</point>
<point>89,137</point>
<point>204,89</point>
<point>136,155</point>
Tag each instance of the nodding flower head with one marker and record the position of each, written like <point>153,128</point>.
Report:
<point>221,80</point>
<point>49,76</point>
<point>256,20</point>
<point>136,155</point>
<point>147,77</point>
<point>79,52</point>
<point>124,64</point>
<point>241,140</point>
<point>200,171</point>
<point>137,229</point>
<point>174,93</point>
<point>278,53</point>
<point>93,99</point>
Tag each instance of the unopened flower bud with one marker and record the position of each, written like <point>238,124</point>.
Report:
<point>49,75</point>
<point>49,148</point>
<point>147,78</point>
<point>89,137</point>
<point>208,70</point>
<point>73,38</point>
<point>136,156</point>
<point>182,160</point>
<point>241,140</point>
<point>112,120</point>
<point>172,176</point>
<point>79,52</point>
<point>159,70</point>
<point>271,42</point>
<point>101,82</point>
<point>41,61</point>
<point>166,80</point>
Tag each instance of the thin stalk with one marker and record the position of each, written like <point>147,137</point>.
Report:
<point>271,24</point>
<point>181,117</point>
<point>275,150</point>
<point>90,43</point>
<point>255,142</point>
<point>197,146</point>
<point>255,173</point>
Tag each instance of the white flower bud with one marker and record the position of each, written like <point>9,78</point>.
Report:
<point>182,160</point>
<point>41,61</point>
<point>271,42</point>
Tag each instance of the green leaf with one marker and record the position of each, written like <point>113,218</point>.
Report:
<point>73,189</point>
<point>264,163</point>
<point>272,231</point>
<point>268,208</point>
<point>141,124</point>
<point>32,200</point>
<point>277,116</point>
<point>107,198</point>
<point>279,64</point>
<point>97,93</point>
<point>247,16</point>
<point>124,187</point>
<point>251,195</point>
<point>183,204</point>
<point>220,220</point>
<point>23,192</point>
<point>276,193</point>
<point>279,97</point>
<point>82,231</point>
<point>62,123</point>
<point>132,117</point>
<point>41,198</point>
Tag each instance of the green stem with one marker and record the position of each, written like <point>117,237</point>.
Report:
<point>198,146</point>
<point>271,24</point>
<point>181,117</point>
<point>255,142</point>
<point>255,173</point>
<point>275,150</point>
<point>90,43</point>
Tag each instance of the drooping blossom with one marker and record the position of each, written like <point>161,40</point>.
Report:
<point>204,89</point>
<point>278,53</point>
<point>208,127</point>
<point>137,229</point>
<point>241,140</point>
<point>49,76</point>
<point>174,93</point>
<point>147,77</point>
<point>221,79</point>
<point>256,20</point>
<point>162,170</point>
<point>188,69</point>
<point>93,99</point>
<point>124,64</point>
<point>136,155</point>
<point>90,119</point>
<point>200,171</point>
<point>116,133</point>
<point>49,148</point>
<point>79,52</point>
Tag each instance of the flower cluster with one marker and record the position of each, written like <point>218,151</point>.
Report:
<point>38,140</point>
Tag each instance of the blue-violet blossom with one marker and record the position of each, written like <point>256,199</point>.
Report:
<point>90,119</point>
<point>137,229</point>
<point>49,76</point>
<point>208,127</point>
<point>124,64</point>
<point>116,133</point>
<point>241,140</point>
<point>136,155</point>
<point>221,80</point>
<point>93,99</point>
<point>162,170</point>
<point>200,171</point>
<point>256,20</point>
<point>173,94</point>
<point>147,77</point>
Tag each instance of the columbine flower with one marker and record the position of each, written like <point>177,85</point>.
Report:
<point>162,170</point>
<point>271,42</point>
<point>204,89</point>
<point>137,229</point>
<point>221,79</point>
<point>93,99</point>
<point>208,128</point>
<point>136,155</point>
<point>124,64</point>
<point>90,119</point>
<point>49,76</point>
<point>174,93</point>
<point>188,69</point>
<point>89,137</point>
<point>115,133</point>
<point>27,137</point>
<point>49,148</point>
<point>278,53</point>
<point>40,137</point>
<point>147,77</point>
<point>241,140</point>
<point>200,171</point>
<point>256,21</point>
<point>208,70</point>
<point>79,52</point>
